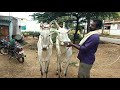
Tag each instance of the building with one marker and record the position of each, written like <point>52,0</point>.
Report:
<point>28,25</point>
<point>112,27</point>
<point>9,26</point>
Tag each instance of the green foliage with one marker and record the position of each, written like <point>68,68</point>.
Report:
<point>73,32</point>
<point>25,33</point>
<point>78,38</point>
<point>72,16</point>
<point>54,37</point>
<point>36,33</point>
<point>69,17</point>
<point>47,16</point>
<point>30,33</point>
<point>106,33</point>
<point>71,36</point>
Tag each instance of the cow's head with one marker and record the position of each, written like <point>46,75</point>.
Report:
<point>45,37</point>
<point>63,35</point>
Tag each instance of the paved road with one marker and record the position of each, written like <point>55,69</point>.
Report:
<point>111,40</point>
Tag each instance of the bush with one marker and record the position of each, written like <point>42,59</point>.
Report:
<point>73,31</point>
<point>106,33</point>
<point>25,33</point>
<point>30,33</point>
<point>71,37</point>
<point>54,37</point>
<point>36,33</point>
<point>78,38</point>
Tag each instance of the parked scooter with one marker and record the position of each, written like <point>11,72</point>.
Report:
<point>17,52</point>
<point>4,46</point>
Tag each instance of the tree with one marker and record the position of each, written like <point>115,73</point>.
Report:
<point>99,15</point>
<point>47,16</point>
<point>76,16</point>
<point>69,17</point>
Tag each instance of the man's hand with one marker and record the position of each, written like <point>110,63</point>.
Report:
<point>68,44</point>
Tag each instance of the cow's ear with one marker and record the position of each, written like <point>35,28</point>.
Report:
<point>41,25</point>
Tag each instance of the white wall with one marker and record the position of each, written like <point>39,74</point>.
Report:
<point>32,26</point>
<point>113,26</point>
<point>115,32</point>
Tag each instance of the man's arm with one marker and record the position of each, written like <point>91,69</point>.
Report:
<point>73,45</point>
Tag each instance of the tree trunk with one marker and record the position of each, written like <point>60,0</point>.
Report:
<point>83,32</point>
<point>103,27</point>
<point>88,24</point>
<point>76,30</point>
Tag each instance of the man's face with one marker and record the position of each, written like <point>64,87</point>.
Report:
<point>92,26</point>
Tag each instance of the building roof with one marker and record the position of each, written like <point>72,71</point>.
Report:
<point>112,21</point>
<point>7,18</point>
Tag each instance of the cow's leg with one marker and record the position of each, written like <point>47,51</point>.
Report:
<point>58,57</point>
<point>46,69</point>
<point>58,67</point>
<point>40,61</point>
<point>48,59</point>
<point>47,66</point>
<point>68,57</point>
<point>41,67</point>
<point>66,68</point>
<point>41,70</point>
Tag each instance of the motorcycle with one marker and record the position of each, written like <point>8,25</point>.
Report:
<point>4,47</point>
<point>18,53</point>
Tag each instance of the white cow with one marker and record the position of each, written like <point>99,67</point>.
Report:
<point>44,45</point>
<point>63,53</point>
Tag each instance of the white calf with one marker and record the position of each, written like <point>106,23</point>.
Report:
<point>63,53</point>
<point>44,45</point>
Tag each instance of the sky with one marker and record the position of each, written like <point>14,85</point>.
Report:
<point>18,14</point>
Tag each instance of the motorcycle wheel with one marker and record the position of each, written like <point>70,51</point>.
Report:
<point>21,59</point>
<point>4,51</point>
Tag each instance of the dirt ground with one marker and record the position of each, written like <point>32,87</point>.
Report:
<point>107,64</point>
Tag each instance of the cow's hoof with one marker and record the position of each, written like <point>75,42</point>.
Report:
<point>56,72</point>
